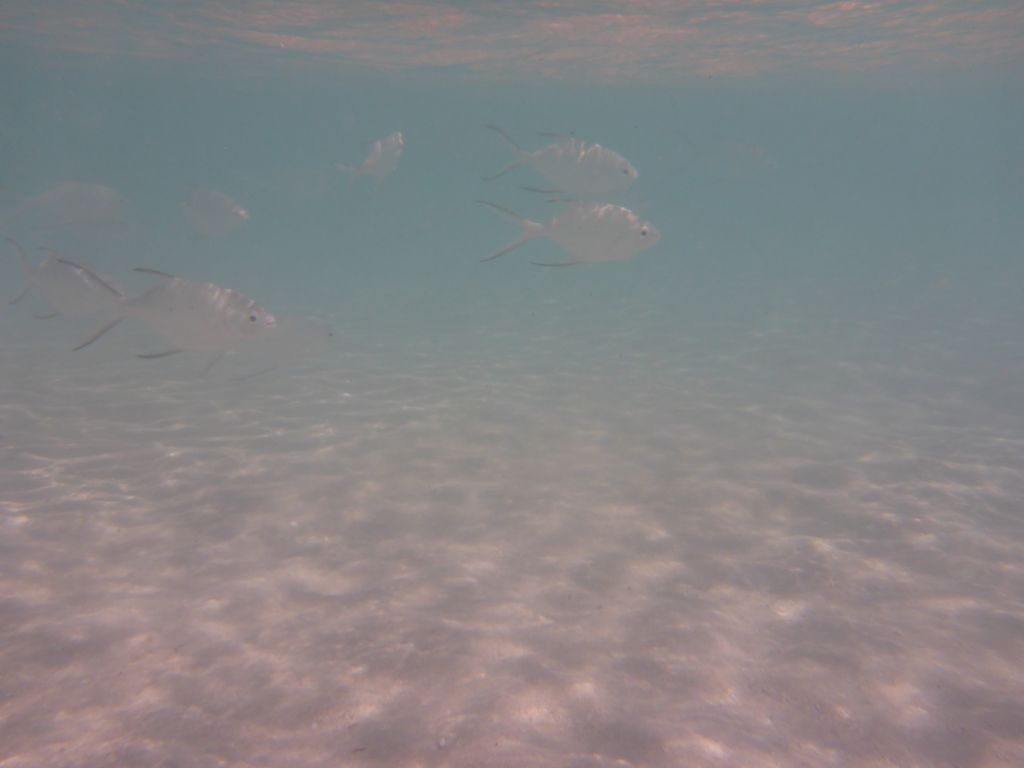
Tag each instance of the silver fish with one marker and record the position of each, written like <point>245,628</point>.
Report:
<point>382,160</point>
<point>589,232</point>
<point>68,287</point>
<point>200,317</point>
<point>213,214</point>
<point>575,168</point>
<point>72,206</point>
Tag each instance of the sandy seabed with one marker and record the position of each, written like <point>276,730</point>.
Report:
<point>752,550</point>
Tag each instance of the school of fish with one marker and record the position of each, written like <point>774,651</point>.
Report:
<point>207,318</point>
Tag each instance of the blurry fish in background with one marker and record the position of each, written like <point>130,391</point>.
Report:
<point>576,168</point>
<point>194,317</point>
<point>590,233</point>
<point>212,214</point>
<point>73,209</point>
<point>382,159</point>
<point>70,288</point>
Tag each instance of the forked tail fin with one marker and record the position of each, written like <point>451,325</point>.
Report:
<point>26,265</point>
<point>531,229</point>
<point>520,153</point>
<point>88,275</point>
<point>498,130</point>
<point>99,332</point>
<point>123,305</point>
<point>25,261</point>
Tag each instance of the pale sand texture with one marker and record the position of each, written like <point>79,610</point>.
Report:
<point>740,551</point>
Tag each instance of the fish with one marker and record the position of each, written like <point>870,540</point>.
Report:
<point>576,168</point>
<point>69,287</point>
<point>194,317</point>
<point>213,214</point>
<point>70,207</point>
<point>589,232</point>
<point>382,159</point>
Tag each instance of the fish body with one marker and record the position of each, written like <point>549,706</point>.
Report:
<point>200,317</point>
<point>190,316</point>
<point>70,288</point>
<point>213,214</point>
<point>382,159</point>
<point>590,233</point>
<point>70,204</point>
<point>576,168</point>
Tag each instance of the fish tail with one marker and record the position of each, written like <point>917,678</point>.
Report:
<point>25,262</point>
<point>521,154</point>
<point>510,247</point>
<point>21,294</point>
<point>511,166</point>
<point>125,305</point>
<point>89,274</point>
<point>26,265</point>
<point>99,332</point>
<point>505,136</point>
<point>531,229</point>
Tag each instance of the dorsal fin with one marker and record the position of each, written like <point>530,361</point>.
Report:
<point>88,273</point>
<point>156,272</point>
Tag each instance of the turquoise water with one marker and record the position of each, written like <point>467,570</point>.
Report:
<point>750,498</point>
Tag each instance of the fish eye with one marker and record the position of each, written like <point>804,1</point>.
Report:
<point>626,171</point>
<point>253,317</point>
<point>643,232</point>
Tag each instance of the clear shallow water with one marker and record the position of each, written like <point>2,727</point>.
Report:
<point>752,498</point>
